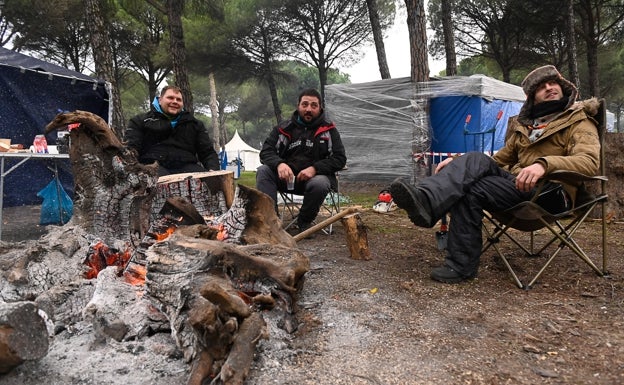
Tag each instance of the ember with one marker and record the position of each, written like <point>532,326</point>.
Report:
<point>132,263</point>
<point>101,256</point>
<point>134,274</point>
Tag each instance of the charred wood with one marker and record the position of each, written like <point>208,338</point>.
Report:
<point>211,285</point>
<point>23,334</point>
<point>113,191</point>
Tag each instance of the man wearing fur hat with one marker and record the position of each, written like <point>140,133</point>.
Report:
<point>551,132</point>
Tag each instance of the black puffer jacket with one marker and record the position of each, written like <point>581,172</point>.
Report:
<point>153,137</point>
<point>288,143</point>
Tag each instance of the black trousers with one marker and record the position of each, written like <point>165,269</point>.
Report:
<point>314,191</point>
<point>465,188</point>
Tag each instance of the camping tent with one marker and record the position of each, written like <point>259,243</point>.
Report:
<point>237,148</point>
<point>32,93</point>
<point>471,113</point>
<point>387,126</point>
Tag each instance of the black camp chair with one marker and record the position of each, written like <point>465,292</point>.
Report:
<point>529,217</point>
<point>288,209</point>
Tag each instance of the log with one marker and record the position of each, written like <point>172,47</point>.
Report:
<point>236,367</point>
<point>357,238</point>
<point>324,224</point>
<point>23,334</point>
<point>202,283</point>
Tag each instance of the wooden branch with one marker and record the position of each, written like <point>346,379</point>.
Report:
<point>23,334</point>
<point>229,303</point>
<point>324,224</point>
<point>236,367</point>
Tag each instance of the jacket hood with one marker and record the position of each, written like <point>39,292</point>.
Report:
<point>534,79</point>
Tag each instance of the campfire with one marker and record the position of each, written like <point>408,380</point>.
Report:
<point>196,256</point>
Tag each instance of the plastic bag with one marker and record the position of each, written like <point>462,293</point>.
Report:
<point>57,206</point>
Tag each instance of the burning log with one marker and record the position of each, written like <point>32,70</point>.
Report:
<point>214,297</point>
<point>210,193</point>
<point>23,334</point>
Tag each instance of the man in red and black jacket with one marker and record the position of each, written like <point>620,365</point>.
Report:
<point>308,148</point>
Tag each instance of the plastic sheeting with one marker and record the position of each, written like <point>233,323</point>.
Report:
<point>32,93</point>
<point>390,128</point>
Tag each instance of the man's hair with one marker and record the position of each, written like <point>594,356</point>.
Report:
<point>310,92</point>
<point>167,88</point>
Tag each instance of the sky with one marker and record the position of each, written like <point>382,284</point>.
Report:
<point>396,43</point>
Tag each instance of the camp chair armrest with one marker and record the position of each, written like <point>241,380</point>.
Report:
<point>572,177</point>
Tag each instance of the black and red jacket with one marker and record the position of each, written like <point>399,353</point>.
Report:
<point>302,145</point>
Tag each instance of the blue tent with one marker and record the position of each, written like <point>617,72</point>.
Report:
<point>32,93</point>
<point>471,114</point>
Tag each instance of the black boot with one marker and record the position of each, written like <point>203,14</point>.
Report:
<point>412,200</point>
<point>447,274</point>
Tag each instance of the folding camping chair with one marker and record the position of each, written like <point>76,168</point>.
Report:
<point>529,217</point>
<point>292,202</point>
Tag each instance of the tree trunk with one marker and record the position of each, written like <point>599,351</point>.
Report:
<point>277,110</point>
<point>214,112</point>
<point>417,27</point>
<point>322,79</point>
<point>449,38</point>
<point>572,59</point>
<point>103,57</point>
<point>178,51</point>
<point>223,136</point>
<point>373,14</point>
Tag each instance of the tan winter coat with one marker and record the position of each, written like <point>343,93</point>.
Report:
<point>569,142</point>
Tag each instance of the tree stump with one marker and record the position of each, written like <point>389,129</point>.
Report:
<point>113,191</point>
<point>209,192</point>
<point>357,238</point>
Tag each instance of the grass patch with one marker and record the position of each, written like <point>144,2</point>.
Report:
<point>247,178</point>
<point>362,199</point>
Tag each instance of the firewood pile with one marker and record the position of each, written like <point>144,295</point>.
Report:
<point>189,256</point>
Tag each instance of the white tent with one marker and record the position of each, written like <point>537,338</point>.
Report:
<point>237,148</point>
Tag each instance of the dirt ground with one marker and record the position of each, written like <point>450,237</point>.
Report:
<point>384,321</point>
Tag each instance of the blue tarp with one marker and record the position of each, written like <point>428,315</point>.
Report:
<point>484,132</point>
<point>32,93</point>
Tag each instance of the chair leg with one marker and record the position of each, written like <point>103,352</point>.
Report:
<point>493,240</point>
<point>289,207</point>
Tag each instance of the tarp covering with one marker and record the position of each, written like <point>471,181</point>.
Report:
<point>389,124</point>
<point>379,127</point>
<point>237,148</point>
<point>32,93</point>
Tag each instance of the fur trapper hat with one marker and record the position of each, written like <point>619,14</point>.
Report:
<point>534,79</point>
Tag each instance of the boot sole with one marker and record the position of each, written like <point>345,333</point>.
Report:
<point>403,197</point>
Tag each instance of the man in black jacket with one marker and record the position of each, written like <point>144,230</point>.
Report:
<point>171,136</point>
<point>307,149</point>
